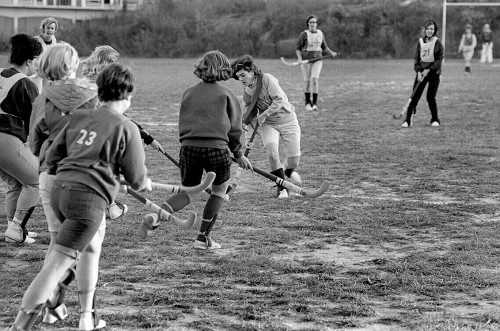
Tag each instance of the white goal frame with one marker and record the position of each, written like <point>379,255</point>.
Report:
<point>469,4</point>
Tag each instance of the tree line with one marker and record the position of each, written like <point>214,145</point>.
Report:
<point>269,28</point>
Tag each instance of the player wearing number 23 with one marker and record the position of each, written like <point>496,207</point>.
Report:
<point>429,56</point>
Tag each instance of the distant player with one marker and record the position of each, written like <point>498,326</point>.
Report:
<point>276,116</point>
<point>487,43</point>
<point>47,38</point>
<point>88,156</point>
<point>210,128</point>
<point>467,45</point>
<point>311,44</point>
<point>428,58</point>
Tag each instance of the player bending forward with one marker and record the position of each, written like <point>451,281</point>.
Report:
<point>276,117</point>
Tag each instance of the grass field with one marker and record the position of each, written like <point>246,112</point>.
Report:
<point>406,238</point>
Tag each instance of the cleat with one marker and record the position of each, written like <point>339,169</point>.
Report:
<point>405,124</point>
<point>16,234</point>
<point>309,107</point>
<point>315,108</point>
<point>435,124</point>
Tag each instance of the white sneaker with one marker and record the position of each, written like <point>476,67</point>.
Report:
<point>309,107</point>
<point>14,234</point>
<point>315,108</point>
<point>30,233</point>
<point>149,224</point>
<point>283,194</point>
<point>435,123</point>
<point>203,245</point>
<point>405,124</point>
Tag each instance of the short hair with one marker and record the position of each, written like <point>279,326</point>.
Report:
<point>23,48</point>
<point>431,22</point>
<point>58,62</point>
<point>115,82</point>
<point>100,57</point>
<point>48,21</point>
<point>309,18</point>
<point>244,62</point>
<point>212,67</point>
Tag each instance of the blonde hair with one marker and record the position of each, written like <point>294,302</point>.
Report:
<point>100,57</point>
<point>212,67</point>
<point>58,62</point>
<point>47,21</point>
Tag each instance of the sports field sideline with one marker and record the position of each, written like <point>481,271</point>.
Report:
<point>406,238</point>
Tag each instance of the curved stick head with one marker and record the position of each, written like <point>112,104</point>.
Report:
<point>210,177</point>
<point>186,224</point>
<point>320,191</point>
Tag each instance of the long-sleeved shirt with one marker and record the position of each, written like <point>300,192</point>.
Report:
<point>94,148</point>
<point>435,66</point>
<point>272,99</point>
<point>210,116</point>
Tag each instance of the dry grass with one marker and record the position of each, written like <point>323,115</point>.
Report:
<point>407,237</point>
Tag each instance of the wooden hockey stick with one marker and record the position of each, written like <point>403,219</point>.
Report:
<point>297,63</point>
<point>163,214</point>
<point>234,185</point>
<point>209,178</point>
<point>292,187</point>
<point>405,108</point>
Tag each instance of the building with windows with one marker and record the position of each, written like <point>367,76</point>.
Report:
<point>24,16</point>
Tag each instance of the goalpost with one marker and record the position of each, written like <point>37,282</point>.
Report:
<point>469,4</point>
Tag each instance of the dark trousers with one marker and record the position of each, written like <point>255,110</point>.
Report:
<point>433,81</point>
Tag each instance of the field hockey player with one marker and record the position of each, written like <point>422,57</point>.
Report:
<point>82,190</point>
<point>311,44</point>
<point>276,117</point>
<point>428,58</point>
<point>18,165</point>
<point>209,129</point>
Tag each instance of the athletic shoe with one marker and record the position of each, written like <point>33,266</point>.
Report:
<point>405,124</point>
<point>14,234</point>
<point>30,233</point>
<point>435,123</point>
<point>283,194</point>
<point>309,107</point>
<point>315,108</point>
<point>198,244</point>
<point>116,210</point>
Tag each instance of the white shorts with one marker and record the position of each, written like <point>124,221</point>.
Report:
<point>311,70</point>
<point>289,133</point>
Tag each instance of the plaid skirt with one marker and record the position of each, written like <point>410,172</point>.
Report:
<point>193,160</point>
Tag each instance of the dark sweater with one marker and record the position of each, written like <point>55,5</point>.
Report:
<point>210,116</point>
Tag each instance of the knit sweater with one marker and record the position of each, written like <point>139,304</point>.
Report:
<point>210,116</point>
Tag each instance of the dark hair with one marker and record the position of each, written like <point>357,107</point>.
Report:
<point>115,82</point>
<point>309,18</point>
<point>244,62</point>
<point>23,48</point>
<point>212,67</point>
<point>431,22</point>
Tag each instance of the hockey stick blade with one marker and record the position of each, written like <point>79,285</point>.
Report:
<point>292,187</point>
<point>405,108</point>
<point>291,64</point>
<point>209,178</point>
<point>164,215</point>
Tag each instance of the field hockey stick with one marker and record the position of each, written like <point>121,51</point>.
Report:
<point>163,214</point>
<point>234,185</point>
<point>292,187</point>
<point>297,63</point>
<point>405,108</point>
<point>209,178</point>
